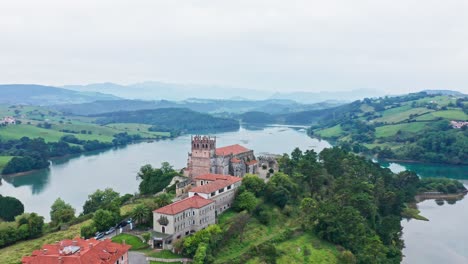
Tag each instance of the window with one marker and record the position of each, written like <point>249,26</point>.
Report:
<point>213,194</point>
<point>221,190</point>
<point>193,212</point>
<point>193,222</point>
<point>163,230</point>
<point>229,187</point>
<point>186,233</point>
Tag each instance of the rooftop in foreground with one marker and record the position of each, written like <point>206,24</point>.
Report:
<point>78,251</point>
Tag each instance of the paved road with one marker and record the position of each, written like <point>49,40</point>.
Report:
<point>136,258</point>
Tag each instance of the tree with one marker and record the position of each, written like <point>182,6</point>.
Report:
<point>141,214</point>
<point>10,208</point>
<point>61,212</point>
<point>245,201</point>
<point>32,222</point>
<point>88,230</point>
<point>254,184</point>
<point>155,180</point>
<point>162,200</point>
<point>107,200</point>
<point>103,219</point>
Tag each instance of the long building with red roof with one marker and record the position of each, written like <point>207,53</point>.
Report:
<point>211,195</point>
<point>180,219</point>
<point>80,251</point>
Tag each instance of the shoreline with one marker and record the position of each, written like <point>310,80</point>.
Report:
<point>24,173</point>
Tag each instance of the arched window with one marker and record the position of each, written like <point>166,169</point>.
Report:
<point>163,229</point>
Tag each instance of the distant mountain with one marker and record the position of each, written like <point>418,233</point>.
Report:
<point>315,97</point>
<point>444,92</point>
<point>171,91</point>
<point>200,105</point>
<point>46,95</point>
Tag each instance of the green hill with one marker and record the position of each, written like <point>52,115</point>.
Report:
<point>413,127</point>
<point>170,119</point>
<point>31,94</point>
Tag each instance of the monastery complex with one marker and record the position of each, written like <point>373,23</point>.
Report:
<point>213,176</point>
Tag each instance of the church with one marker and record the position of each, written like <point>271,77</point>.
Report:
<point>205,158</point>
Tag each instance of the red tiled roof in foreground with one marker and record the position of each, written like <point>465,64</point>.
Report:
<point>182,205</point>
<point>233,149</point>
<point>214,177</point>
<point>90,251</point>
<point>215,185</point>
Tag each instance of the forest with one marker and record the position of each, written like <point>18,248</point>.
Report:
<point>336,196</point>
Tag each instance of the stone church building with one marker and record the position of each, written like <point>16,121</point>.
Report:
<point>205,158</point>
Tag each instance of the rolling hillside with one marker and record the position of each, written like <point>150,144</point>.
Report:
<point>414,127</point>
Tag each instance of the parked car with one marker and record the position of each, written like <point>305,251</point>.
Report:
<point>99,236</point>
<point>122,224</point>
<point>110,231</point>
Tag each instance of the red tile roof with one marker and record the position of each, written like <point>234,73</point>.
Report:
<point>233,149</point>
<point>252,162</point>
<point>214,177</point>
<point>212,186</point>
<point>235,160</point>
<point>90,251</point>
<point>182,205</point>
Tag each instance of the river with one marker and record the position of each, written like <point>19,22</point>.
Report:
<point>74,178</point>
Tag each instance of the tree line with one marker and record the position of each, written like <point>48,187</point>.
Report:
<point>31,154</point>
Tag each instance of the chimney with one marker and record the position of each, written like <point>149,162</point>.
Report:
<point>74,243</point>
<point>60,260</point>
<point>90,245</point>
<point>44,251</point>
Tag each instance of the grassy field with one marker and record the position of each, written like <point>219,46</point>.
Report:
<point>14,253</point>
<point>391,130</point>
<point>141,129</point>
<point>452,114</point>
<point>4,160</point>
<point>31,116</point>
<point>133,241</point>
<point>256,234</point>
<point>334,131</point>
<point>400,114</point>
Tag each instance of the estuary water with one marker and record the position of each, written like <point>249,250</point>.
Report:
<point>441,240</point>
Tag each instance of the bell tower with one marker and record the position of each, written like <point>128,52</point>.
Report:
<point>199,160</point>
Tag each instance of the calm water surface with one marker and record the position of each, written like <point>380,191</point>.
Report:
<point>441,240</point>
<point>73,179</point>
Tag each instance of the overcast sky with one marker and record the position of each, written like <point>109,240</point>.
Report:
<point>395,46</point>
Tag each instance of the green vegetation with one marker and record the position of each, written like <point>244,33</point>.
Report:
<point>131,240</point>
<point>14,253</point>
<point>11,207</point>
<point>174,120</point>
<point>413,213</point>
<point>4,161</point>
<point>441,185</point>
<point>155,180</point>
<point>412,127</point>
<point>335,207</point>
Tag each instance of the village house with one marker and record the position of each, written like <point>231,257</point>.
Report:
<point>8,120</point>
<point>80,251</point>
<point>180,219</point>
<point>458,124</point>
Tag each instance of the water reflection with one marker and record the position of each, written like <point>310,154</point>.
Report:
<point>37,180</point>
